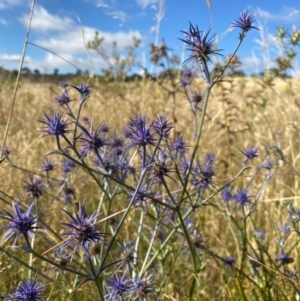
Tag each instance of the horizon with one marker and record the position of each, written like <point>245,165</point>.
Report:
<point>65,28</point>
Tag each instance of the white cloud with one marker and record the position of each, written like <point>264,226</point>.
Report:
<point>111,9</point>
<point>43,21</point>
<point>145,3</point>
<point>7,4</point>
<point>287,14</point>
<point>73,42</point>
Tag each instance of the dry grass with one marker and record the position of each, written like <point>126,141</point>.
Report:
<point>241,112</point>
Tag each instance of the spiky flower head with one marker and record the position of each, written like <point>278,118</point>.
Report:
<point>84,91</point>
<point>245,21</point>
<point>242,197</point>
<point>199,43</point>
<point>202,176</point>
<point>142,288</point>
<point>63,99</point>
<point>250,153</point>
<point>162,126</point>
<point>83,232</point>
<point>19,224</point>
<point>92,140</point>
<point>284,258</point>
<point>48,165</point>
<point>55,125</point>
<point>227,194</point>
<point>34,187</point>
<point>118,288</point>
<point>139,133</point>
<point>28,290</point>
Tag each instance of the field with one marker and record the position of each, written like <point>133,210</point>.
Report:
<point>242,112</point>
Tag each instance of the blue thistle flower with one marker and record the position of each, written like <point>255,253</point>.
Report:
<point>83,232</point>
<point>118,288</point>
<point>227,194</point>
<point>55,125</point>
<point>267,164</point>
<point>245,21</point>
<point>63,99</point>
<point>34,187</point>
<point>159,167</point>
<point>84,91</point>
<point>162,126</point>
<point>140,198</point>
<point>200,45</point>
<point>202,176</point>
<point>250,153</point>
<point>179,145</point>
<point>196,98</point>
<point>93,140</point>
<point>48,165</point>
<point>242,198</point>
<point>284,258</point>
<point>20,224</point>
<point>139,133</point>
<point>28,290</point>
<point>285,228</point>
<point>142,288</point>
<point>67,165</point>
<point>230,260</point>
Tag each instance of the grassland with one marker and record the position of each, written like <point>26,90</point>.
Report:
<point>242,112</point>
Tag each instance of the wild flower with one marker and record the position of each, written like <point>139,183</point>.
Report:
<point>116,142</point>
<point>19,224</point>
<point>127,254</point>
<point>92,140</point>
<point>284,258</point>
<point>285,228</point>
<point>118,288</point>
<point>242,197</point>
<point>245,21</point>
<point>162,126</point>
<point>63,99</point>
<point>179,145</point>
<point>229,260</point>
<point>139,133</point>
<point>268,164</point>
<point>140,198</point>
<point>142,288</point>
<point>55,125</point>
<point>227,194</point>
<point>82,230</point>
<point>200,45</point>
<point>48,165</point>
<point>196,98</point>
<point>159,168</point>
<point>84,91</point>
<point>34,187</point>
<point>67,165</point>
<point>28,290</point>
<point>202,176</point>
<point>250,153</point>
<point>62,258</point>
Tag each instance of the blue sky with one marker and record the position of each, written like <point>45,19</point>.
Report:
<point>58,25</point>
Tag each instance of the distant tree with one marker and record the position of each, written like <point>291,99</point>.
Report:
<point>119,64</point>
<point>25,71</point>
<point>36,72</point>
<point>55,72</point>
